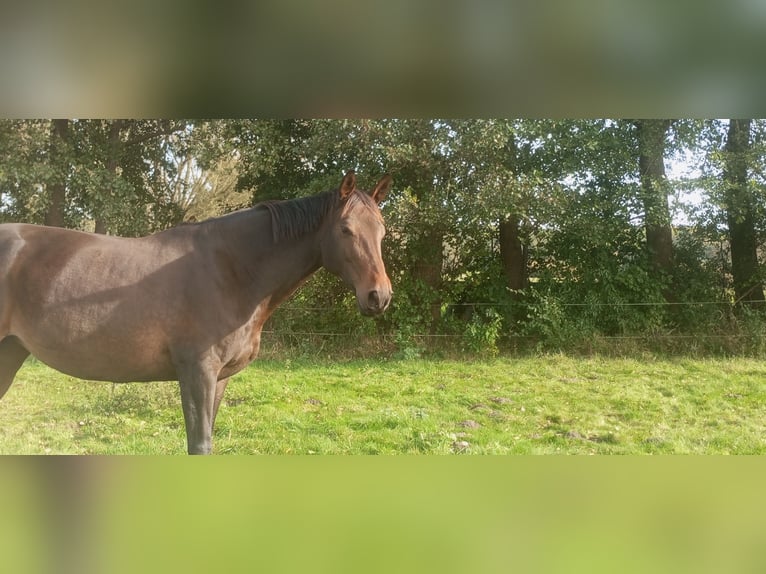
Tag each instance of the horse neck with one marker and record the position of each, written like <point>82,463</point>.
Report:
<point>291,263</point>
<point>268,269</point>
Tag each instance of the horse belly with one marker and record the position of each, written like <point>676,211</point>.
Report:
<point>99,364</point>
<point>99,342</point>
<point>96,341</point>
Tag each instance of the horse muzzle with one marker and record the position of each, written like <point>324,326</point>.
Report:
<point>375,301</point>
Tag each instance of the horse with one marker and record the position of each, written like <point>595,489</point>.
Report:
<point>186,304</point>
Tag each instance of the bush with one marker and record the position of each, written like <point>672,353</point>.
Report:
<point>483,332</point>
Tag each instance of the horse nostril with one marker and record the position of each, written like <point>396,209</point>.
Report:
<point>374,300</point>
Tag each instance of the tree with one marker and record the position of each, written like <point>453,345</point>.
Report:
<point>489,184</point>
<point>203,193</point>
<point>507,213</point>
<point>121,173</point>
<point>60,165</point>
<point>748,285</point>
<point>25,169</point>
<point>102,174</point>
<point>652,136</point>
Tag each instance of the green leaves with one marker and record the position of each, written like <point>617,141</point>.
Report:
<point>583,213</point>
<point>111,172</point>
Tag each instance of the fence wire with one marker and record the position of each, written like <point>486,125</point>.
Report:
<point>651,336</point>
<point>512,336</point>
<point>582,304</point>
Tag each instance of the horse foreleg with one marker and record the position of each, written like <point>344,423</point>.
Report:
<point>12,356</point>
<point>198,399</point>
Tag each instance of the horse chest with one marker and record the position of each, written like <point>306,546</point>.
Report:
<point>244,347</point>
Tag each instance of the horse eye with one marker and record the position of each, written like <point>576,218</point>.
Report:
<point>346,230</point>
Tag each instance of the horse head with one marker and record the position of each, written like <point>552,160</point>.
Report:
<point>351,244</point>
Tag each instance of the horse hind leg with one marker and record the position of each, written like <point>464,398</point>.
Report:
<point>220,387</point>
<point>12,356</point>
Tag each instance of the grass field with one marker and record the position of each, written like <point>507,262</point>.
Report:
<point>550,404</point>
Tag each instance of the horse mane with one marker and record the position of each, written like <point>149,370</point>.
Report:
<point>293,218</point>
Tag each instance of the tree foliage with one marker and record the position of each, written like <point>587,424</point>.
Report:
<point>501,231</point>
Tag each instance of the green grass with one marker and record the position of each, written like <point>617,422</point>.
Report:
<point>531,405</point>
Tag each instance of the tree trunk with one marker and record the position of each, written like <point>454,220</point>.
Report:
<point>748,285</point>
<point>112,165</point>
<point>54,215</point>
<point>654,191</point>
<point>428,269</point>
<point>428,246</point>
<point>512,254</point>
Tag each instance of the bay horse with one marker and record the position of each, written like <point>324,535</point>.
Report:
<point>185,304</point>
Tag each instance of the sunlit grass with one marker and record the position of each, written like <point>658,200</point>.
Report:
<point>532,405</point>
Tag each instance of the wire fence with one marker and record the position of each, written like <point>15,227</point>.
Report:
<point>646,337</point>
<point>560,304</point>
<point>668,336</point>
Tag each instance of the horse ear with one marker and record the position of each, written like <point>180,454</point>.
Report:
<point>348,185</point>
<point>381,189</point>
